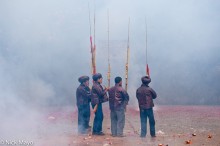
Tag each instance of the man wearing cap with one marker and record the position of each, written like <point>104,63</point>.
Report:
<point>83,98</point>
<point>145,96</point>
<point>118,99</point>
<point>99,96</point>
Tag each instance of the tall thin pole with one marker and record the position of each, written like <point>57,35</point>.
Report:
<point>94,57</point>
<point>146,38</point>
<point>147,67</point>
<point>127,59</point>
<point>109,67</point>
<point>91,45</point>
<point>94,23</point>
<point>94,47</point>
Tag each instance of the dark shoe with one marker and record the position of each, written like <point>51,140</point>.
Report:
<point>121,135</point>
<point>101,133</point>
<point>113,135</point>
<point>153,136</point>
<point>98,133</point>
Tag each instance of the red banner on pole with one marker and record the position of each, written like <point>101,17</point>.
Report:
<point>147,71</point>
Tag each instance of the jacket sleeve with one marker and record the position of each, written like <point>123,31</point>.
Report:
<point>95,98</point>
<point>100,91</point>
<point>126,96</point>
<point>97,95</point>
<point>86,93</point>
<point>137,93</point>
<point>153,93</point>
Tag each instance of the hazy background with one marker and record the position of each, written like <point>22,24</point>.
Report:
<point>44,48</point>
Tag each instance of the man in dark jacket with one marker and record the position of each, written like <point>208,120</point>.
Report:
<point>83,98</point>
<point>118,99</point>
<point>99,95</point>
<point>145,96</point>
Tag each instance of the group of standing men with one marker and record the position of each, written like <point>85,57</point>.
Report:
<point>118,100</point>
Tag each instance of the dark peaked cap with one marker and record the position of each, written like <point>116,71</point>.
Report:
<point>96,76</point>
<point>146,80</point>
<point>83,79</point>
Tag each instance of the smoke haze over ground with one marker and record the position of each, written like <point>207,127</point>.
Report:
<point>44,48</point>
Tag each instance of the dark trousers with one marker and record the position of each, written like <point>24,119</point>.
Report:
<point>117,122</point>
<point>98,119</point>
<point>83,117</point>
<point>144,114</point>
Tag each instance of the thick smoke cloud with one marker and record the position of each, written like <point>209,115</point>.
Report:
<point>44,48</point>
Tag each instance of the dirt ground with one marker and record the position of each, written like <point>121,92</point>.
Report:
<point>175,126</point>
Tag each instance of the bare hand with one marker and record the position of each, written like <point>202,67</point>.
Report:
<point>106,89</point>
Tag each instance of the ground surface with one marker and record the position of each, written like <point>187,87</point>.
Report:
<point>174,126</point>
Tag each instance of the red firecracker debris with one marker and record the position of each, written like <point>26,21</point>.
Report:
<point>188,141</point>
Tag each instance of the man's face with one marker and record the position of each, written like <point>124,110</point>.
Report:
<point>120,83</point>
<point>100,80</point>
<point>86,83</point>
